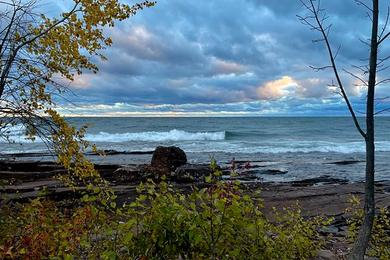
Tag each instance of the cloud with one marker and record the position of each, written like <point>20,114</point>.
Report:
<point>227,55</point>
<point>82,81</point>
<point>140,41</point>
<point>279,88</point>
<point>314,88</point>
<point>227,67</point>
<point>281,107</point>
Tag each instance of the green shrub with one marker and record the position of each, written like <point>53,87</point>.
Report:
<point>216,222</point>
<point>380,238</point>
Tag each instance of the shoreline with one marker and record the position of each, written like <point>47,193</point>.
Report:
<point>324,196</point>
<point>298,166</point>
<point>25,179</point>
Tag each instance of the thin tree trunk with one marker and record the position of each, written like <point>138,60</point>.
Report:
<point>363,239</point>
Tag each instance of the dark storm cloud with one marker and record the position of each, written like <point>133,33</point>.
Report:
<point>227,55</point>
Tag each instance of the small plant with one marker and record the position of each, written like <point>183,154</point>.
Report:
<point>380,240</point>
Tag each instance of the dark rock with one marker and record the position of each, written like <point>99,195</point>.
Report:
<point>244,162</point>
<point>152,172</point>
<point>167,159</point>
<point>106,169</point>
<point>133,174</point>
<point>255,171</point>
<point>30,176</point>
<point>28,166</point>
<point>345,162</point>
<point>28,170</point>
<point>138,152</point>
<point>319,180</point>
<point>250,172</point>
<point>125,174</point>
<point>24,155</point>
<point>246,178</point>
<point>115,152</point>
<point>274,171</point>
<point>339,221</point>
<point>329,230</point>
<point>191,172</point>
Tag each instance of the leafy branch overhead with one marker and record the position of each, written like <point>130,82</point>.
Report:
<point>38,52</point>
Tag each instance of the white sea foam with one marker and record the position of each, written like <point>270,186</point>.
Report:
<point>200,142</point>
<point>16,134</point>
<point>172,135</point>
<point>284,147</point>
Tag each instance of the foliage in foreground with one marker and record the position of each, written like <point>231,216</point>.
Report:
<point>380,238</point>
<point>214,222</point>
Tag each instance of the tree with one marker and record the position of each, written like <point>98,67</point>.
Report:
<point>39,52</point>
<point>316,20</point>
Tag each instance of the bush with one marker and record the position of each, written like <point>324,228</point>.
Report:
<point>216,222</point>
<point>380,238</point>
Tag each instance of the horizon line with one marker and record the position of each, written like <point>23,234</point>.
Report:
<point>207,116</point>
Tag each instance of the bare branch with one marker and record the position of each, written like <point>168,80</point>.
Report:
<point>382,111</point>
<point>386,23</point>
<point>362,68</point>
<point>320,68</point>
<point>384,81</point>
<point>316,11</point>
<point>364,82</point>
<point>358,2</point>
<point>383,38</point>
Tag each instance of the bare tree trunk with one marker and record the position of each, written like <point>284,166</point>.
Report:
<point>363,239</point>
<point>315,20</point>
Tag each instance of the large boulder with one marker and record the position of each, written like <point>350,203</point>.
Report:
<point>167,159</point>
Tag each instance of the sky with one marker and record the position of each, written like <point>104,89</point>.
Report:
<point>225,58</point>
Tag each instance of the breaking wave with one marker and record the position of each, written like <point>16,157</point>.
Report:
<point>198,142</point>
<point>172,135</point>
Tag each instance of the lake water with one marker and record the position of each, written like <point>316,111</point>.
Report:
<point>305,146</point>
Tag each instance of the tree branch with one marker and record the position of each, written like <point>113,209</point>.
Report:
<point>319,24</point>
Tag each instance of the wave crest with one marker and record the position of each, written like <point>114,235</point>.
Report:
<point>172,135</point>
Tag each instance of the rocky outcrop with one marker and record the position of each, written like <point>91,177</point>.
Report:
<point>191,172</point>
<point>325,179</point>
<point>127,174</point>
<point>167,159</point>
